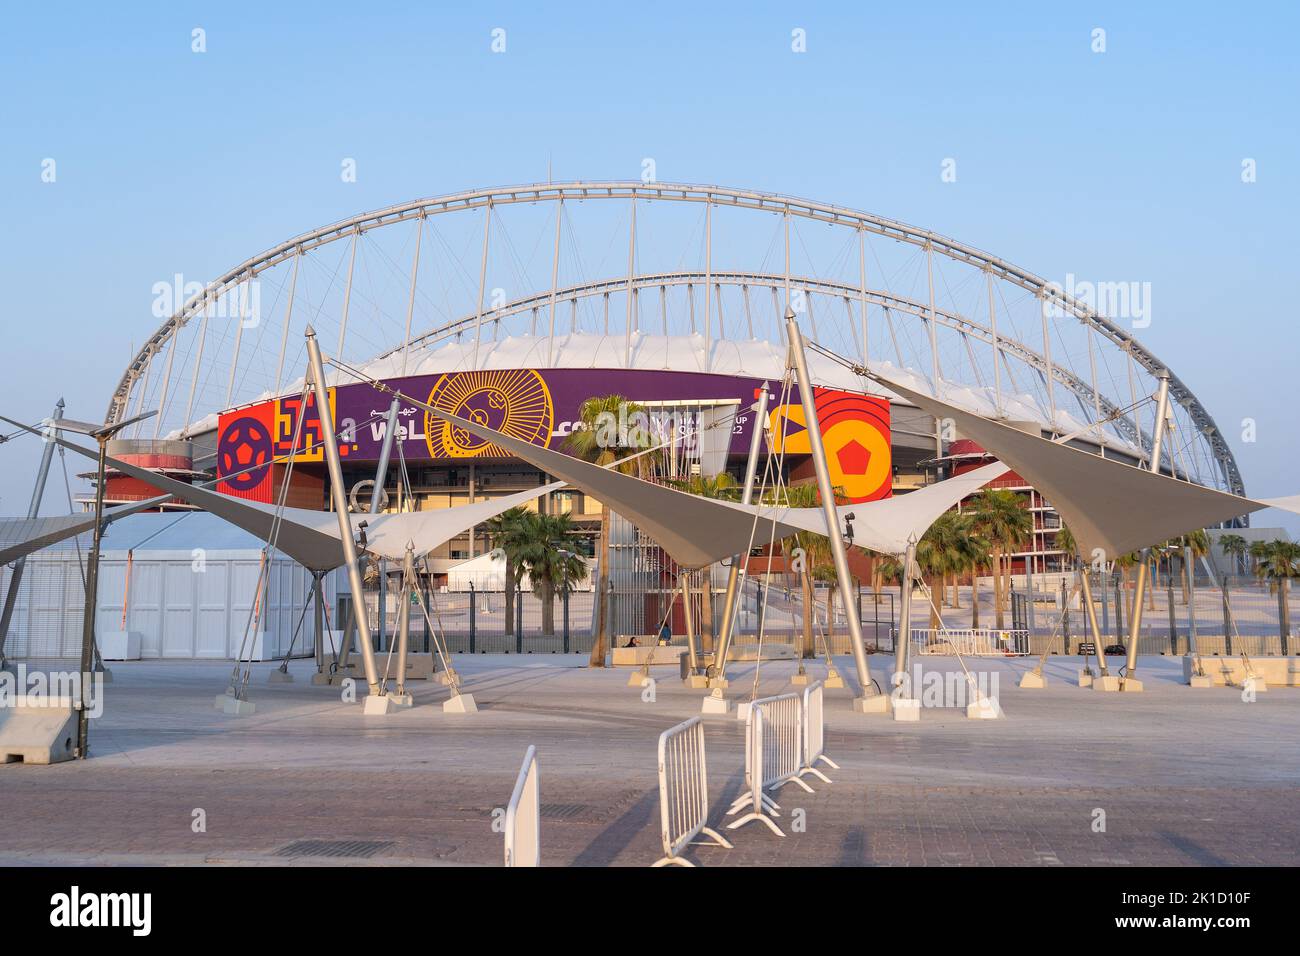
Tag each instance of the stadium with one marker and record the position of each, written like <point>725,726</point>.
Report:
<point>513,306</point>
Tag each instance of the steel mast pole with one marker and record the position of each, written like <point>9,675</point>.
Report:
<point>718,669</point>
<point>1144,567</point>
<point>92,601</point>
<point>838,551</point>
<point>340,500</point>
<point>33,511</point>
<point>904,635</point>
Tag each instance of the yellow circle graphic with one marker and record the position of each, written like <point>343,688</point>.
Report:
<point>513,401</point>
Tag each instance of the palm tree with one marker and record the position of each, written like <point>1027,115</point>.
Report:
<point>1279,561</point>
<point>721,485</point>
<point>1001,519</point>
<point>1198,542</point>
<point>816,549</point>
<point>552,568</point>
<point>504,532</point>
<point>1236,547</point>
<point>594,441</point>
<point>1126,564</point>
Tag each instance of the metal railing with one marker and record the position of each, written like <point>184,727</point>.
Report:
<point>524,815</point>
<point>773,757</point>
<point>814,733</point>
<point>971,641</point>
<point>684,792</point>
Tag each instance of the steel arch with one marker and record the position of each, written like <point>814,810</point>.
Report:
<point>677,192</point>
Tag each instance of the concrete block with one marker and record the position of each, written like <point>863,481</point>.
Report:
<point>239,708</point>
<point>907,708</point>
<point>986,708</point>
<point>1108,683</point>
<point>376,705</point>
<point>715,704</point>
<point>833,681</point>
<point>401,700</point>
<point>219,701</point>
<point>697,681</point>
<point>874,704</point>
<point>1255,684</point>
<point>1033,680</point>
<point>636,678</point>
<point>1231,671</point>
<point>801,680</point>
<point>278,676</point>
<point>718,683</point>
<point>638,656</point>
<point>119,645</point>
<point>39,730</point>
<point>1200,680</point>
<point>460,704</point>
<point>1130,685</point>
<point>320,678</point>
<point>743,708</point>
<point>1085,679</point>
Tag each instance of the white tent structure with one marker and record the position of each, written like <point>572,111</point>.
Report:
<point>1110,507</point>
<point>884,526</point>
<point>312,537</point>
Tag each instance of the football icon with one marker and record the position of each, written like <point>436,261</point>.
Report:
<point>245,444</point>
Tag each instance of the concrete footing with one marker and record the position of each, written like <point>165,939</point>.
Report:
<point>717,683</point>
<point>1255,685</point>
<point>985,708</point>
<point>801,680</point>
<point>637,678</point>
<point>39,730</point>
<point>697,681</point>
<point>377,705</point>
<point>321,679</point>
<point>906,708</point>
<point>239,708</point>
<point>874,704</point>
<point>278,676</point>
<point>715,704</point>
<point>1033,680</point>
<point>1085,677</point>
<point>1112,683</point>
<point>460,704</point>
<point>743,708</point>
<point>402,700</point>
<point>833,681</point>
<point>1200,680</point>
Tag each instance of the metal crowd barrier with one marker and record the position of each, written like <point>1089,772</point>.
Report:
<point>684,792</point>
<point>814,733</point>
<point>523,815</point>
<point>971,642</point>
<point>773,752</point>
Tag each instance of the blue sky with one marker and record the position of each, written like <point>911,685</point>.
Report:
<point>1121,165</point>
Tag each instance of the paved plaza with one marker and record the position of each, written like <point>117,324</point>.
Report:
<point>1184,777</point>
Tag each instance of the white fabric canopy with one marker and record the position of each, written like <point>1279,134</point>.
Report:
<point>1108,505</point>
<point>19,537</point>
<point>886,526</point>
<point>312,537</point>
<point>695,531</point>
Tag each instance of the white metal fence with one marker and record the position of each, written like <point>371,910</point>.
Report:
<point>971,641</point>
<point>684,792</point>
<point>524,815</point>
<point>773,757</point>
<point>814,733</point>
